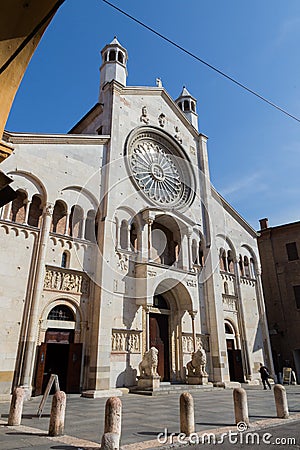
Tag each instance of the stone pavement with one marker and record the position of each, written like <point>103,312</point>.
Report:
<point>142,418</point>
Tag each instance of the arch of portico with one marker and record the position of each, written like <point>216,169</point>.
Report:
<point>169,315</point>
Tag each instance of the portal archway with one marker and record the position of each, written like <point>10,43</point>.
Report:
<point>171,309</point>
<point>60,353</point>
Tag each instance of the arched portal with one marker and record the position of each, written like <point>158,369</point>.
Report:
<point>172,305</point>
<point>234,353</point>
<point>60,352</point>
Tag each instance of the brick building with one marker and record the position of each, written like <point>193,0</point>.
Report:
<point>279,249</point>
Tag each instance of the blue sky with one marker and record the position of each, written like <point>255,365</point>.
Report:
<point>254,150</point>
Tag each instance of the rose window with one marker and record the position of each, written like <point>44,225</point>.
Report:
<point>159,169</point>
<point>156,173</point>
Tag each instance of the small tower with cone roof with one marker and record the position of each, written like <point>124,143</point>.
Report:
<point>187,104</point>
<point>114,61</point>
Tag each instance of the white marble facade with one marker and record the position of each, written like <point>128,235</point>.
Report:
<point>118,238</point>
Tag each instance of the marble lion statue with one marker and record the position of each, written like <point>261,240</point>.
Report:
<point>196,367</point>
<point>148,365</point>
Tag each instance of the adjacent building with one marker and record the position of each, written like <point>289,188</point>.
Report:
<point>279,249</point>
<point>117,242</point>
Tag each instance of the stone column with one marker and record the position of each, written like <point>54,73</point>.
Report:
<point>67,223</point>
<point>6,213</point>
<point>31,337</point>
<point>189,241</point>
<point>147,311</point>
<point>128,238</point>
<point>83,228</point>
<point>242,324</point>
<point>28,203</point>
<point>149,223</point>
<point>118,234</point>
<point>193,315</point>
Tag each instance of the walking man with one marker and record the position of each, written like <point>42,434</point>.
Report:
<point>264,373</point>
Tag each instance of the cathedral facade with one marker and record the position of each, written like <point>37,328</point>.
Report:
<point>117,242</point>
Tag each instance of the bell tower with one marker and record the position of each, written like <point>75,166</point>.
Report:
<point>114,60</point>
<point>187,104</point>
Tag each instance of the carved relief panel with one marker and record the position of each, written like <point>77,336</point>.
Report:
<point>66,281</point>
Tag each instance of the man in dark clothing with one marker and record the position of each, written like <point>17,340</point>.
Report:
<point>264,373</point>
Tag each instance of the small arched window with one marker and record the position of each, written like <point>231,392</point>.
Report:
<point>133,237</point>
<point>226,290</point>
<point>193,106</point>
<point>120,57</point>
<point>89,232</point>
<point>65,260</point>
<point>194,251</point>
<point>246,267</point>
<point>112,55</point>
<point>230,261</point>
<point>241,266</point>
<point>35,211</point>
<point>18,208</point>
<point>180,105</point>
<point>124,235</point>
<point>61,312</point>
<point>76,221</point>
<point>201,254</point>
<point>228,329</point>
<point>59,218</point>
<point>252,268</point>
<point>223,260</point>
<point>186,105</point>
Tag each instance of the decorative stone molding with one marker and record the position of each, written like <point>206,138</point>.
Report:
<point>187,342</point>
<point>127,341</point>
<point>178,135</point>
<point>57,279</point>
<point>162,120</point>
<point>248,281</point>
<point>191,283</point>
<point>151,273</point>
<point>229,302</point>
<point>123,261</point>
<point>226,276</point>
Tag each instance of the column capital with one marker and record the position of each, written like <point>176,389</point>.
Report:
<point>48,209</point>
<point>193,314</point>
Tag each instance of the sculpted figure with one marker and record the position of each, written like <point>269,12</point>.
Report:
<point>196,367</point>
<point>148,365</point>
<point>144,117</point>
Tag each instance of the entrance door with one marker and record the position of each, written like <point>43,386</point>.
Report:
<point>159,338</point>
<point>235,362</point>
<point>59,356</point>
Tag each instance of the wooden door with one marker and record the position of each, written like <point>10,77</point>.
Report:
<point>235,362</point>
<point>238,366</point>
<point>74,368</point>
<point>41,361</point>
<point>159,338</point>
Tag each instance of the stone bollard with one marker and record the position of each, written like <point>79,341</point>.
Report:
<point>57,415</point>
<point>112,426</point>
<point>187,421</point>
<point>16,407</point>
<point>281,401</point>
<point>240,406</point>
